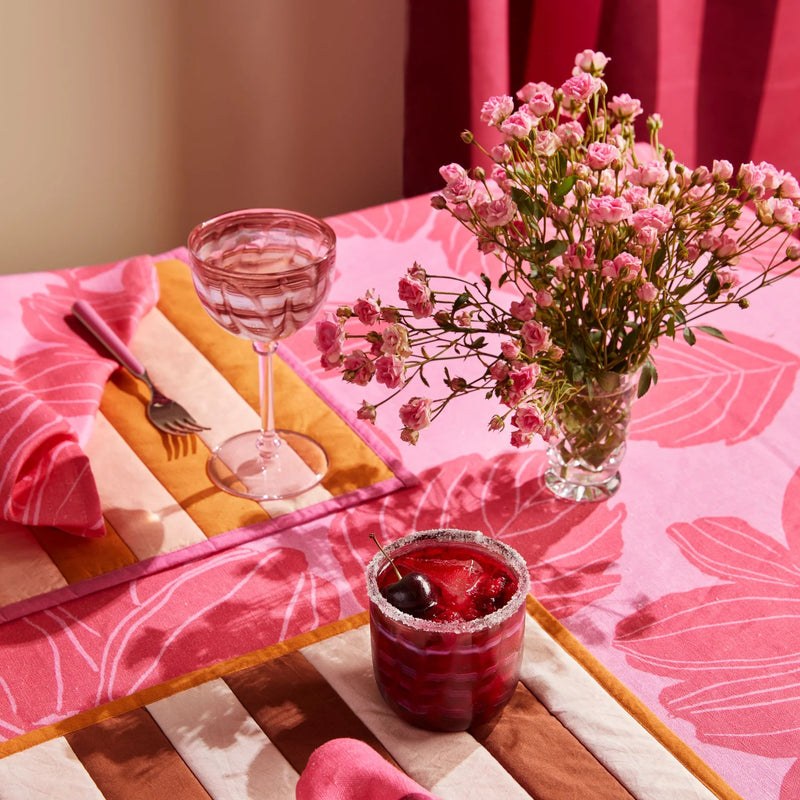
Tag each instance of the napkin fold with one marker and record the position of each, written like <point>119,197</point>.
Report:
<point>349,769</point>
<point>51,383</point>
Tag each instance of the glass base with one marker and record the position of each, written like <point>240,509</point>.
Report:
<point>586,491</point>
<point>298,464</point>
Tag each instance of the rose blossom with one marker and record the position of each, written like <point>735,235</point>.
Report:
<point>544,298</point>
<point>452,172</point>
<point>570,134</point>
<point>366,309</point>
<point>657,217</point>
<point>637,196</point>
<point>607,210</point>
<point>409,436</point>
<point>518,125</point>
<point>496,423</point>
<point>329,336</point>
<point>501,153</point>
<point>389,371</point>
<point>528,418</point>
<point>579,88</point>
<point>751,179</point>
<point>790,187</point>
<point>395,341</point>
<point>496,109</point>
<point>591,61</point>
<point>499,371</point>
<point>546,143</point>
<point>358,369</point>
<point>600,155</point>
<point>521,439</point>
<point>416,295</point>
<point>650,173</point>
<point>524,309</point>
<point>793,251</point>
<point>510,349</point>
<point>459,190</point>
<point>496,213</point>
<point>722,170</point>
<point>647,292</point>
<point>624,266</point>
<point>521,380</point>
<point>579,255</point>
<point>535,337</point>
<point>416,413</point>
<point>531,90</point>
<point>625,107</point>
<point>367,412</point>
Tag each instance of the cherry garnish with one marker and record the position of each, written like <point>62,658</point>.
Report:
<point>412,593</point>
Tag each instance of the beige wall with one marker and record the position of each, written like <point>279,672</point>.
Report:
<point>124,122</point>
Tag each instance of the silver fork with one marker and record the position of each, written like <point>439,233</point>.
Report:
<point>165,414</point>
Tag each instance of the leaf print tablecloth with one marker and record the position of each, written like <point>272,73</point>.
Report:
<point>685,585</point>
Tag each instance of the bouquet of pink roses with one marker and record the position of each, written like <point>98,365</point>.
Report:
<point>606,246</point>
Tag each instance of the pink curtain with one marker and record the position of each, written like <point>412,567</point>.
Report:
<point>723,74</point>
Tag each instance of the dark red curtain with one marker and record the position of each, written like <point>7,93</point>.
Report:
<point>723,74</point>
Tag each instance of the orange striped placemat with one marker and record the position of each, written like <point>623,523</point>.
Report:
<point>159,505</point>
<point>246,727</point>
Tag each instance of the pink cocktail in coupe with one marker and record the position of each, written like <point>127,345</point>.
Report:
<point>447,619</point>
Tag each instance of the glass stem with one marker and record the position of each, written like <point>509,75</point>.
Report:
<point>268,442</point>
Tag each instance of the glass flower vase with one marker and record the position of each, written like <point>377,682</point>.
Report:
<point>585,453</point>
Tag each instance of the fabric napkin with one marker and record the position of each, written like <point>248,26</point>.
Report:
<point>51,382</point>
<point>349,769</point>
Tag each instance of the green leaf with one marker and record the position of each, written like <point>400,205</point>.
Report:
<point>461,301</point>
<point>555,247</point>
<point>713,332</point>
<point>486,281</point>
<point>578,351</point>
<point>688,334</point>
<point>648,377</point>
<point>565,186</point>
<point>658,261</point>
<point>713,286</point>
<point>476,344</point>
<point>523,201</point>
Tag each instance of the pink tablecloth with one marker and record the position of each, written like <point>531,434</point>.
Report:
<point>686,585</point>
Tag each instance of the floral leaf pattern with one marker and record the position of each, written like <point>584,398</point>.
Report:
<point>716,391</point>
<point>571,549</point>
<point>718,643</point>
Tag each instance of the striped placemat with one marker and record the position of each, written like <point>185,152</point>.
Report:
<point>246,728</point>
<point>159,505</point>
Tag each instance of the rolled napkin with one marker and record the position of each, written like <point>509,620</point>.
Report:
<point>349,769</point>
<point>51,383</point>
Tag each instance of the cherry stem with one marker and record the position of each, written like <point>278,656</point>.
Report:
<point>386,556</point>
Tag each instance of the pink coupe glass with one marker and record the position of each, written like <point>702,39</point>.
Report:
<point>263,274</point>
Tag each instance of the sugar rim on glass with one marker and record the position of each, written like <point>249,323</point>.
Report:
<point>509,555</point>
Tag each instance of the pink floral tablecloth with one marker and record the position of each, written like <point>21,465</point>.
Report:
<point>686,585</point>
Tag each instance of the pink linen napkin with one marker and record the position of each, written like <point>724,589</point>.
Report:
<point>51,383</point>
<point>348,769</point>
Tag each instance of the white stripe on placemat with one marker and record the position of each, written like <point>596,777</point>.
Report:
<point>46,771</point>
<point>618,741</point>
<point>126,488</point>
<point>182,372</point>
<point>223,745</point>
<point>25,568</point>
<point>451,765</point>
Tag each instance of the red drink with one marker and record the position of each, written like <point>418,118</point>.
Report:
<point>458,664</point>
